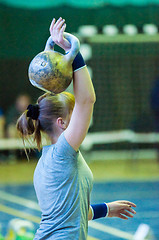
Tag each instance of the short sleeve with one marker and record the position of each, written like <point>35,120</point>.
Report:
<point>63,148</point>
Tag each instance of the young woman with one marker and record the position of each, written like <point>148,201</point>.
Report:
<point>62,179</point>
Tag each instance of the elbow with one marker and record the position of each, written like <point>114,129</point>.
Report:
<point>88,99</point>
<point>92,98</point>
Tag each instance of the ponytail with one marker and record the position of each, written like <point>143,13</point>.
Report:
<point>26,126</point>
<point>39,117</point>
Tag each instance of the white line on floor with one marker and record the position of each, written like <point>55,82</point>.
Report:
<point>19,200</point>
<point>110,230</point>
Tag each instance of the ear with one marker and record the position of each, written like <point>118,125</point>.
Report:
<point>61,123</point>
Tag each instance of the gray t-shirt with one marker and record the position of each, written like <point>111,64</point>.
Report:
<point>63,182</point>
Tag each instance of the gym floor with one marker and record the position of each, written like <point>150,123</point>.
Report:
<point>113,180</point>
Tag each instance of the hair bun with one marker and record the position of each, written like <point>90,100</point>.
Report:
<point>33,111</point>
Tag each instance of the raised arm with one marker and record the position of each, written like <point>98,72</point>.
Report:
<point>83,109</point>
<point>83,91</point>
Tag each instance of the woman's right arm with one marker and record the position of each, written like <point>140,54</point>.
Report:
<point>83,109</point>
<point>83,91</point>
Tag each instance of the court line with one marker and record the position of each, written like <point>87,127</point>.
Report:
<point>33,205</point>
<point>19,200</point>
<point>92,238</point>
<point>95,225</point>
<point>32,218</point>
<point>18,213</point>
<point>21,214</point>
<point>110,230</point>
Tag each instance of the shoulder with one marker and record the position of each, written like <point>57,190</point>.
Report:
<point>62,147</point>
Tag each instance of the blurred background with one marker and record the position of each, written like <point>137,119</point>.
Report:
<point>120,44</point>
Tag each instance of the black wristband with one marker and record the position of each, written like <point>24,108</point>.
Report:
<point>78,62</point>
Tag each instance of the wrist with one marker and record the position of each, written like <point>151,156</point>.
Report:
<point>99,210</point>
<point>78,62</point>
<point>67,49</point>
<point>67,46</point>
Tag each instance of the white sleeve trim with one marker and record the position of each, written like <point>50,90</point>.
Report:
<point>79,68</point>
<point>92,212</point>
<point>107,210</point>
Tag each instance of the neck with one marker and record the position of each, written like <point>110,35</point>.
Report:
<point>54,137</point>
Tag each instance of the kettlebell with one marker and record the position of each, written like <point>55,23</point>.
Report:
<point>52,71</point>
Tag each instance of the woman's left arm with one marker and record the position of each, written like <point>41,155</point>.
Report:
<point>121,209</point>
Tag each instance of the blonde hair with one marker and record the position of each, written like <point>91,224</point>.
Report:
<point>51,106</point>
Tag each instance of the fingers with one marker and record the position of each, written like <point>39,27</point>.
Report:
<point>128,203</point>
<point>128,207</point>
<point>57,29</point>
<point>124,214</point>
<point>56,25</point>
<point>123,217</point>
<point>62,31</point>
<point>60,23</point>
<point>52,25</point>
<point>122,209</point>
<point>131,210</point>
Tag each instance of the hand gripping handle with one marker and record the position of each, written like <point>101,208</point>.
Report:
<point>75,45</point>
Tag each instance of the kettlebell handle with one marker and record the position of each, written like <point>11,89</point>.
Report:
<point>75,45</point>
<point>49,45</point>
